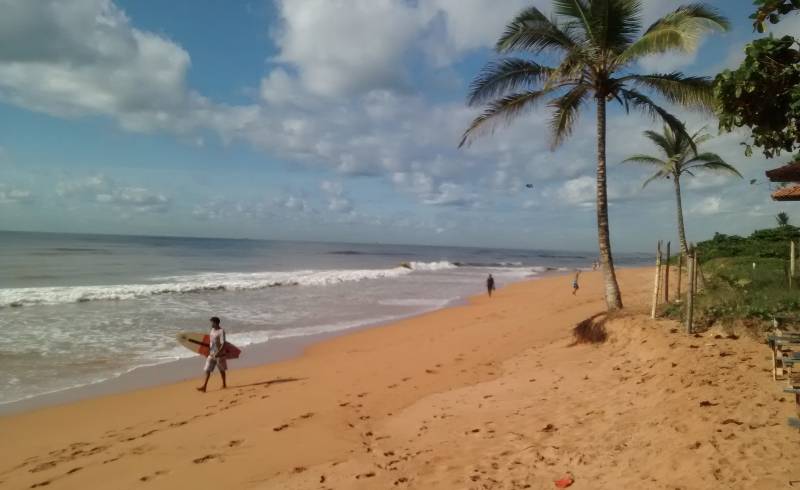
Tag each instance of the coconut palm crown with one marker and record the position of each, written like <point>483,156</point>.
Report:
<point>680,157</point>
<point>596,45</point>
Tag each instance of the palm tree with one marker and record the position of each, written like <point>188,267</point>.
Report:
<point>680,158</point>
<point>782,219</point>
<point>597,46</point>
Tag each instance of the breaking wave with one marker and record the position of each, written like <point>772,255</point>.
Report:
<point>239,281</point>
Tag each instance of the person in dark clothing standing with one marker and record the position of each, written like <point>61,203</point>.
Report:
<point>490,285</point>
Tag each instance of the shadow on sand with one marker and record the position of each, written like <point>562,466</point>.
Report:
<point>269,382</point>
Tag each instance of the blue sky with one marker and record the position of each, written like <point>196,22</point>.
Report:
<point>331,120</point>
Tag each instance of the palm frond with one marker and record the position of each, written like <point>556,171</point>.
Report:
<point>644,104</point>
<point>532,31</point>
<point>711,162</point>
<point>679,30</point>
<point>503,109</point>
<point>662,141</point>
<point>698,135</point>
<point>648,160</point>
<point>658,175</point>
<point>577,16</point>
<point>505,76</point>
<point>616,23</point>
<point>566,113</point>
<point>688,91</point>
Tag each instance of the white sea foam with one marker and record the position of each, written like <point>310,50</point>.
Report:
<point>432,266</point>
<point>238,281</point>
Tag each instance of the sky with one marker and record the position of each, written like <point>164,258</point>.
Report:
<point>329,120</point>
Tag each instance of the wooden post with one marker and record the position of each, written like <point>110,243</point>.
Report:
<point>791,263</point>
<point>657,281</point>
<point>699,278</point>
<point>680,273</point>
<point>666,277</point>
<point>689,291</point>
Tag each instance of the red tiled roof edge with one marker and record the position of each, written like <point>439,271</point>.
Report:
<point>787,194</point>
<point>787,173</point>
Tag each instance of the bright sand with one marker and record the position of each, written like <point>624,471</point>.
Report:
<point>489,395</point>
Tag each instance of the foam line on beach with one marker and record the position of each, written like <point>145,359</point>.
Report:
<point>236,281</point>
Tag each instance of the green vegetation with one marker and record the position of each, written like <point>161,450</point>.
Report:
<point>772,243</point>
<point>772,10</point>
<point>680,158</point>
<point>597,44</point>
<point>736,291</point>
<point>763,93</point>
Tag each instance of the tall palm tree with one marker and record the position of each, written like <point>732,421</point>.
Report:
<point>596,44</point>
<point>680,157</point>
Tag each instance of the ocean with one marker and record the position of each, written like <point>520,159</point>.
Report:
<point>80,309</point>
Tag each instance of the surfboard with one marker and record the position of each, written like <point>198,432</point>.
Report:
<point>199,343</point>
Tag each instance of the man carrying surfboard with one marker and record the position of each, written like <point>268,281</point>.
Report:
<point>216,356</point>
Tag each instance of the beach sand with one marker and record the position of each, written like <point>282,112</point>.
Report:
<point>488,395</point>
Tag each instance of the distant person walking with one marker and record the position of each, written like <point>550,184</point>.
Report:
<point>490,285</point>
<point>575,286</point>
<point>216,356</point>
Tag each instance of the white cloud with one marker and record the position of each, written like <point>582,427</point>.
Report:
<point>341,47</point>
<point>102,190</point>
<point>668,62</point>
<point>84,58</point>
<point>293,203</point>
<point>338,202</point>
<point>14,195</point>
<point>89,186</point>
<point>137,199</point>
<point>709,206</point>
<point>578,192</point>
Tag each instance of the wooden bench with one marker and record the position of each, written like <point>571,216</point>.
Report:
<point>782,353</point>
<point>781,360</point>
<point>783,339</point>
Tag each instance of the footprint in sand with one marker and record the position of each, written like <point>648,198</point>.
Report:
<point>154,475</point>
<point>280,427</point>
<point>41,467</point>
<point>235,443</point>
<point>206,458</point>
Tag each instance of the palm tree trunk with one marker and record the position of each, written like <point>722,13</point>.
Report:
<point>613,297</point>
<point>681,229</point>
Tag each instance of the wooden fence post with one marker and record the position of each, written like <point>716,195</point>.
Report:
<point>666,277</point>
<point>657,281</point>
<point>680,273</point>
<point>690,290</point>
<point>791,263</point>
